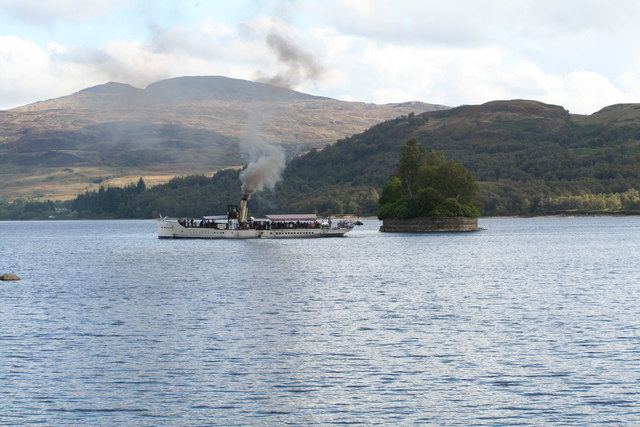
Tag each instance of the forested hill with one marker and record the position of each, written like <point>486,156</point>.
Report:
<point>529,158</point>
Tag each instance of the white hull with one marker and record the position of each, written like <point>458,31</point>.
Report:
<point>170,229</point>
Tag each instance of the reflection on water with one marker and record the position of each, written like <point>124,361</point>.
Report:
<point>531,321</point>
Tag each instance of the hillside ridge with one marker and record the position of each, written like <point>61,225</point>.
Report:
<point>529,158</point>
<point>178,126</point>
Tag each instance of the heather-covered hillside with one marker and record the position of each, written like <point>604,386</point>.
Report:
<point>114,132</point>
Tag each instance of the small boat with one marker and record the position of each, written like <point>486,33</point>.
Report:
<point>237,225</point>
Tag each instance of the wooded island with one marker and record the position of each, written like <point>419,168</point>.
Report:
<point>428,193</point>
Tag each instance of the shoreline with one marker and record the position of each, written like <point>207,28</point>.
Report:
<point>367,218</point>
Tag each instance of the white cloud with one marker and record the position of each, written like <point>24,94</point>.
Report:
<point>30,72</point>
<point>446,42</point>
<point>581,55</point>
<point>630,82</point>
<point>27,72</point>
<point>38,12</point>
<point>472,23</point>
<point>381,72</point>
<point>586,92</point>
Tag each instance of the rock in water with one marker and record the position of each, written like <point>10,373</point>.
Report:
<point>9,276</point>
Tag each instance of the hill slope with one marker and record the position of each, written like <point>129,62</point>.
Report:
<point>530,159</point>
<point>525,154</point>
<point>57,148</point>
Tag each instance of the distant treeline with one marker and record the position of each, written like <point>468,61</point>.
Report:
<point>194,196</point>
<point>29,209</point>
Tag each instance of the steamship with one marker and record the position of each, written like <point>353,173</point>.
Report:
<point>236,224</point>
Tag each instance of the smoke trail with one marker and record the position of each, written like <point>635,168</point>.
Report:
<point>299,65</point>
<point>266,166</point>
<point>267,160</point>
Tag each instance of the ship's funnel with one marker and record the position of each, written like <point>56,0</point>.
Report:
<point>243,211</point>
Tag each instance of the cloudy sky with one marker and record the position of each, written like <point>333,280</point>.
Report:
<point>583,55</point>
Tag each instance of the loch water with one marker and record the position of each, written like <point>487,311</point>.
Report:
<point>531,321</point>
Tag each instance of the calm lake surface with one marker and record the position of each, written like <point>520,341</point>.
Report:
<point>531,321</point>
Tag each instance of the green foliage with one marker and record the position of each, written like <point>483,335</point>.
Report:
<point>194,195</point>
<point>428,186</point>
<point>586,203</point>
<point>391,191</point>
<point>411,161</point>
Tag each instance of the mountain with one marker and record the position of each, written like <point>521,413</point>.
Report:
<point>529,158</point>
<point>60,147</point>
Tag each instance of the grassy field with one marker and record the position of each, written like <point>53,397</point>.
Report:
<point>67,183</point>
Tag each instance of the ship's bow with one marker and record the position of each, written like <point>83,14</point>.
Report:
<point>165,229</point>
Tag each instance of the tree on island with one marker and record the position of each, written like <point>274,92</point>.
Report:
<point>428,186</point>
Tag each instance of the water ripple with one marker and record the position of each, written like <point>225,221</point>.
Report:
<point>532,322</point>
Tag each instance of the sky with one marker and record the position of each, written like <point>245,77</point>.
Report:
<point>583,55</point>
